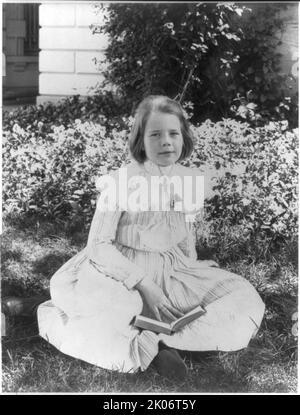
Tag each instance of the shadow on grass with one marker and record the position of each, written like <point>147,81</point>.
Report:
<point>33,365</point>
<point>30,364</point>
<point>11,254</point>
<point>50,263</point>
<point>75,229</point>
<point>13,288</point>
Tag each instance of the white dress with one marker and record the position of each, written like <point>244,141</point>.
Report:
<point>93,295</point>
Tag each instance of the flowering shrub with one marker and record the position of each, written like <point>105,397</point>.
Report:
<point>55,176</point>
<point>105,109</point>
<point>255,173</point>
<point>159,48</point>
<point>252,171</point>
<point>224,57</point>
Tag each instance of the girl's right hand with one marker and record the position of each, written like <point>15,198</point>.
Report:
<point>157,301</point>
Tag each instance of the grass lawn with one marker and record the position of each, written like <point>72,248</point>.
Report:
<point>33,251</point>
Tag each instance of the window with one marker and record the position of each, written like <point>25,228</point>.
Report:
<point>31,41</point>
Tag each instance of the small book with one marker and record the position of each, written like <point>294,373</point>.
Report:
<point>168,328</point>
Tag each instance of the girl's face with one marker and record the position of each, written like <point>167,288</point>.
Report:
<point>163,139</point>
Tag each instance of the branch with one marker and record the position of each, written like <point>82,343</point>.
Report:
<point>186,84</point>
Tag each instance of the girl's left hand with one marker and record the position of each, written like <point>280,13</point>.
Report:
<point>157,302</point>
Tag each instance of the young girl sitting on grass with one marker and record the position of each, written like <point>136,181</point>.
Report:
<point>143,261</point>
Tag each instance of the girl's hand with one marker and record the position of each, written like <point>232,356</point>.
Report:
<point>157,301</point>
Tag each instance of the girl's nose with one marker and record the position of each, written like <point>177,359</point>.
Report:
<point>166,139</point>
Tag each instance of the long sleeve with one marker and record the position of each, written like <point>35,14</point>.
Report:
<point>104,255</point>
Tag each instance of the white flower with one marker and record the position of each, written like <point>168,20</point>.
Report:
<point>169,25</point>
<point>271,126</point>
<point>246,202</point>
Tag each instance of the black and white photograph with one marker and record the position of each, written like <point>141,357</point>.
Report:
<point>149,199</point>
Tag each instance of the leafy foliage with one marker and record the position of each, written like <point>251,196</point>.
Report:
<point>54,176</point>
<point>257,183</point>
<point>219,56</point>
<point>264,91</point>
<point>156,48</point>
<point>38,120</point>
<point>46,149</point>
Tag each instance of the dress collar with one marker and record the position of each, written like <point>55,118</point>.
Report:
<point>156,170</point>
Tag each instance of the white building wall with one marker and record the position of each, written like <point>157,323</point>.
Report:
<point>68,49</point>
<point>289,47</point>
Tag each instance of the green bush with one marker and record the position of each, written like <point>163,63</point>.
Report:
<point>257,186</point>
<point>38,120</point>
<point>44,145</point>
<point>222,57</point>
<point>158,48</point>
<point>54,176</point>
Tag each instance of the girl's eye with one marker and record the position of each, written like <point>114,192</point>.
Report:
<point>174,133</point>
